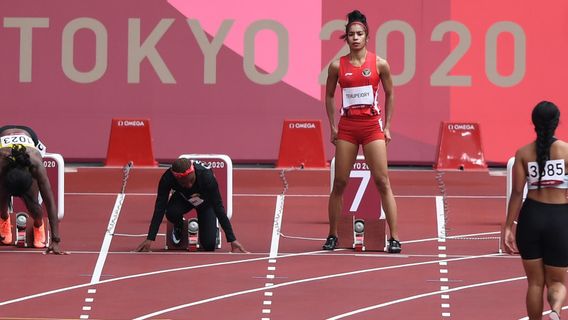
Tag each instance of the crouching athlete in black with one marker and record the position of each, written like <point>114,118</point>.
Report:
<point>194,187</point>
<point>22,174</point>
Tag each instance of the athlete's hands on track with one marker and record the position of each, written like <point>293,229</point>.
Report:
<point>238,247</point>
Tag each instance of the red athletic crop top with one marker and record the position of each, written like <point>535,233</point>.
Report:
<point>359,86</point>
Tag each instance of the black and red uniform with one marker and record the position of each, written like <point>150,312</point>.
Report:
<point>204,196</point>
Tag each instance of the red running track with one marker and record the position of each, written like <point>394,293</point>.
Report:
<point>463,278</point>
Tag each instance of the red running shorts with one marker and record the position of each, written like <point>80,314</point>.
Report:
<point>360,130</point>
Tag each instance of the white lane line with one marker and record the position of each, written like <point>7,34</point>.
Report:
<point>291,255</point>
<point>423,295</point>
<point>274,243</point>
<point>453,237</point>
<point>441,222</point>
<point>270,195</point>
<point>146,274</point>
<point>276,226</point>
<point>108,238</point>
<point>319,278</point>
<point>103,253</point>
<point>440,218</point>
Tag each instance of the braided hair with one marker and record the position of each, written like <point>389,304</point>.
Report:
<point>355,16</point>
<point>545,117</point>
<point>18,179</point>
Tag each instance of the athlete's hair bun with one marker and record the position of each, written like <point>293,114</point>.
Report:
<point>356,15</point>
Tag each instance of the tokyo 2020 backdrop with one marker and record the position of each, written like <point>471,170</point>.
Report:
<point>221,76</point>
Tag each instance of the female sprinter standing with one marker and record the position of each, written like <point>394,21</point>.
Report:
<point>359,74</point>
<point>541,236</point>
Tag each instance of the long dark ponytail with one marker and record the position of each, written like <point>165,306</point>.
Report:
<point>545,117</point>
<point>18,179</point>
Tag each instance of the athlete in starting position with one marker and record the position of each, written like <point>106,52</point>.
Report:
<point>23,175</point>
<point>194,187</point>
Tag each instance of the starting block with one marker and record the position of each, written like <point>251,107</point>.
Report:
<point>222,167</point>
<point>23,230</point>
<point>191,229</point>
<point>193,234</point>
<point>361,224</point>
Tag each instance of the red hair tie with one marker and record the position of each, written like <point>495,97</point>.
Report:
<point>359,23</point>
<point>344,36</point>
<point>185,173</point>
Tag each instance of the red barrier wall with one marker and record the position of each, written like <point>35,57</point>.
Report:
<point>221,79</point>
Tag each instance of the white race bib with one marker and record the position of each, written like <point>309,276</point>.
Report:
<point>554,172</point>
<point>42,148</point>
<point>26,141</point>
<point>195,201</point>
<point>358,96</point>
<point>9,141</point>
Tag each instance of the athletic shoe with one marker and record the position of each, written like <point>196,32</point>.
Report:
<point>394,246</point>
<point>39,237</point>
<point>553,316</point>
<point>6,230</point>
<point>330,243</point>
<point>176,235</point>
